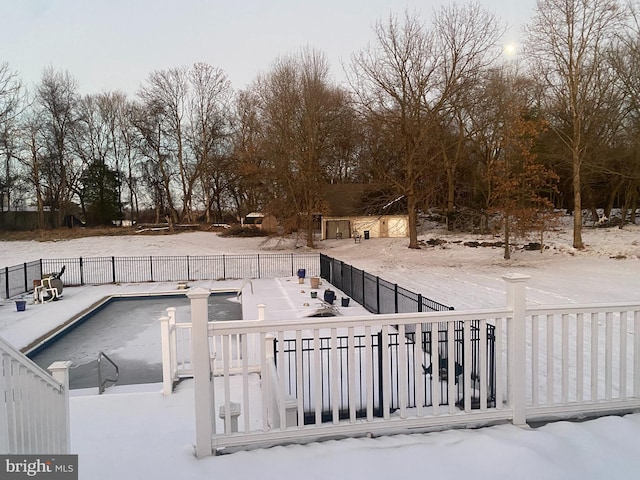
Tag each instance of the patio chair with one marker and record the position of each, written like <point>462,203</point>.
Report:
<point>50,287</point>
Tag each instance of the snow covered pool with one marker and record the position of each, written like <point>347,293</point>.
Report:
<point>128,331</point>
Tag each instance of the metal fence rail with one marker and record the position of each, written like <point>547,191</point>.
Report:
<point>358,362</point>
<point>18,279</point>
<point>374,293</point>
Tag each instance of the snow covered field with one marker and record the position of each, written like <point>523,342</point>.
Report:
<point>155,433</point>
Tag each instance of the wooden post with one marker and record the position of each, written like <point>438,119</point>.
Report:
<point>203,390</point>
<point>517,346</point>
<point>60,372</point>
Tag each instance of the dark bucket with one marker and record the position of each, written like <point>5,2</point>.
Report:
<point>329,296</point>
<point>21,305</point>
<point>302,272</point>
<point>345,301</point>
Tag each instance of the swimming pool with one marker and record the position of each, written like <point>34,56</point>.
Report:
<point>128,331</point>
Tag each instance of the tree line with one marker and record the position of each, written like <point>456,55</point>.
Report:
<point>432,113</point>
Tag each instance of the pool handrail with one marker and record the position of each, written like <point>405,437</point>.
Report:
<point>101,382</point>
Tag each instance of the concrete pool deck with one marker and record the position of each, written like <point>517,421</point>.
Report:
<point>284,299</point>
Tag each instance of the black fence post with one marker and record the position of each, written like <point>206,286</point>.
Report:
<point>81,272</point>
<point>6,280</point>
<point>224,267</point>
<point>188,269</point>
<point>151,266</point>
<point>419,302</point>
<point>395,298</point>
<point>351,281</point>
<point>364,301</point>
<point>113,269</point>
<point>292,267</point>
<point>258,262</point>
<point>26,282</point>
<point>377,294</point>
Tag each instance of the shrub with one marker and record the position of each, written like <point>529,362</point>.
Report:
<point>239,231</point>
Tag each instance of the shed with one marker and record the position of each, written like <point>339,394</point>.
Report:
<point>359,208</point>
<point>262,221</point>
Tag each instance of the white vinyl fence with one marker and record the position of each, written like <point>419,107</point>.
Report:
<point>34,406</point>
<point>275,382</point>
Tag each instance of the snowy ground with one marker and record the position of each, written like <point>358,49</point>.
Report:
<point>154,434</point>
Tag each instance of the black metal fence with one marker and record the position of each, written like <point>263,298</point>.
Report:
<point>374,293</point>
<point>18,279</point>
<point>371,377</point>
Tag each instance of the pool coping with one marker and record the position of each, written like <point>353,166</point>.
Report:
<point>285,299</point>
<point>41,342</point>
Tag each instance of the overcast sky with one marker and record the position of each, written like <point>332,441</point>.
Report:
<point>114,44</point>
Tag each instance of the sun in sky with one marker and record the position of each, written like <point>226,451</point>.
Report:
<point>510,49</point>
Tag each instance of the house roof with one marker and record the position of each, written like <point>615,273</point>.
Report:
<point>351,199</point>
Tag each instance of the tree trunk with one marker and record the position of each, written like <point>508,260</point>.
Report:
<point>577,203</point>
<point>507,238</point>
<point>310,243</point>
<point>413,221</point>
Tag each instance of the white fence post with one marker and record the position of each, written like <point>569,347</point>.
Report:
<point>517,346</point>
<point>261,309</point>
<point>173,341</point>
<point>269,386</point>
<point>60,372</point>
<point>203,389</point>
<point>167,361</point>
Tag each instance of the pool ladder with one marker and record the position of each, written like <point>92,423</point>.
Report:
<point>244,284</point>
<point>102,383</point>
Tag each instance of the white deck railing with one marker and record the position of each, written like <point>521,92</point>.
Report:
<point>349,376</point>
<point>582,359</point>
<point>177,349</point>
<point>34,406</point>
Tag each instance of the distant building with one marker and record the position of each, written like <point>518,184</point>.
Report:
<point>262,221</point>
<point>361,209</point>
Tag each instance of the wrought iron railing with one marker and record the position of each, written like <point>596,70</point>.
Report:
<point>18,279</point>
<point>374,293</point>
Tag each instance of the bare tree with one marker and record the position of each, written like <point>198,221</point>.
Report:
<point>98,145</point>
<point>392,80</point>
<point>566,45</point>
<point>624,59</point>
<point>56,101</point>
<point>407,83</point>
<point>165,94</point>
<point>114,107</point>
<point>11,105</point>
<point>32,159</point>
<point>208,134</point>
<point>466,38</point>
<point>249,184</point>
<point>157,169</point>
<point>299,112</point>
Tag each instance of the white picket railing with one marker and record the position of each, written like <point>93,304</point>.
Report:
<point>34,405</point>
<point>349,376</point>
<point>583,359</point>
<point>177,349</point>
